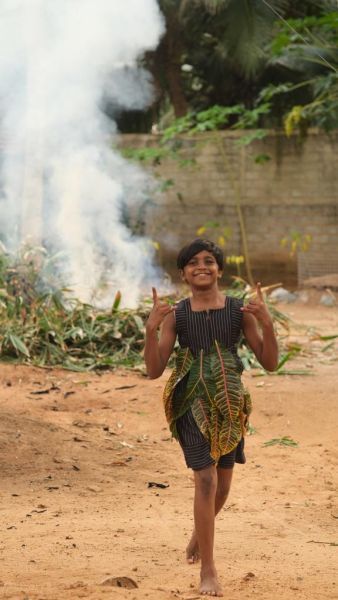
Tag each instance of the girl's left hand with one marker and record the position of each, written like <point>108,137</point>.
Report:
<point>257,307</point>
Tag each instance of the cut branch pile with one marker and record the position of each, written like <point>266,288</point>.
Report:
<point>42,325</point>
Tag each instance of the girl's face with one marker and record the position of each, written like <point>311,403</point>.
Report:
<point>202,270</point>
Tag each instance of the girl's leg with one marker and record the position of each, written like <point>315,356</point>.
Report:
<point>204,514</point>
<point>224,477</point>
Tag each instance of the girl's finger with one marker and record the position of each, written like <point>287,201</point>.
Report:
<point>154,295</point>
<point>259,290</point>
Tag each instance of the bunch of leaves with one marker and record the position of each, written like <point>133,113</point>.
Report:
<point>214,229</point>
<point>307,49</point>
<point>220,117</point>
<point>43,325</point>
<point>214,393</point>
<point>296,241</point>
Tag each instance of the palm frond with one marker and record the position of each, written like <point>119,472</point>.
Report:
<point>241,29</point>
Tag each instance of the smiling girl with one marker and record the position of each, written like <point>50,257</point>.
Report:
<point>206,405</point>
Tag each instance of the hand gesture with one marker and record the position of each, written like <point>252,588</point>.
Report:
<point>159,311</point>
<point>257,307</point>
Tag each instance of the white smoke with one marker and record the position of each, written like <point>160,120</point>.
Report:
<point>61,183</point>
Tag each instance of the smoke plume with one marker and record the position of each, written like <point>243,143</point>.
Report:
<point>61,185</point>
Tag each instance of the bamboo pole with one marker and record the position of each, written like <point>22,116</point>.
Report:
<point>238,202</point>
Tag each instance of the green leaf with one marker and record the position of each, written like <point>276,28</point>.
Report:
<point>18,344</point>
<point>214,393</point>
<point>184,360</point>
<point>285,358</point>
<point>139,323</point>
<point>283,441</point>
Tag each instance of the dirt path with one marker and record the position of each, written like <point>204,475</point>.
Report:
<point>77,452</point>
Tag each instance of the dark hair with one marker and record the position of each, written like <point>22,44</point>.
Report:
<point>196,246</point>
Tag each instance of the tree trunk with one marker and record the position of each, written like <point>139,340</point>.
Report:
<point>165,66</point>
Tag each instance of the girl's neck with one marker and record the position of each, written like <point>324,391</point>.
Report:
<point>205,299</point>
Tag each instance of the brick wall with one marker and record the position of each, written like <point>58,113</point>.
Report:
<point>296,189</point>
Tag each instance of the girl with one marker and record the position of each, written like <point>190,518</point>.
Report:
<point>205,402</point>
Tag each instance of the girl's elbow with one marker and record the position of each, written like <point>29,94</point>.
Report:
<point>271,365</point>
<point>154,374</point>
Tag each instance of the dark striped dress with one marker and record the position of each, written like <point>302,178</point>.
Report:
<point>198,330</point>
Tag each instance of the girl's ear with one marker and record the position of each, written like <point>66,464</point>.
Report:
<point>182,274</point>
<point>219,275</point>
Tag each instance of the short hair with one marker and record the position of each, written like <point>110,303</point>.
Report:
<point>196,246</point>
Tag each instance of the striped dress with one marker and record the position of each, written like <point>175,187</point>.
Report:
<point>198,330</point>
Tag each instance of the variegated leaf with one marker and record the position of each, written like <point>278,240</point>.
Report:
<point>184,360</point>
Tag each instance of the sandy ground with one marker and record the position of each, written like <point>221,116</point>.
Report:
<point>77,452</point>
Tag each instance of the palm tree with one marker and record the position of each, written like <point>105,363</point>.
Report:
<point>241,29</point>
<point>223,42</point>
<point>224,49</point>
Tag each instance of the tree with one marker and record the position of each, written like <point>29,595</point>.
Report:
<point>307,51</point>
<point>225,52</point>
<point>212,47</point>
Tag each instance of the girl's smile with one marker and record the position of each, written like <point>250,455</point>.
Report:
<point>201,267</point>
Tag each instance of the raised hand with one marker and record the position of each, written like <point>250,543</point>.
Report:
<point>257,307</point>
<point>159,311</point>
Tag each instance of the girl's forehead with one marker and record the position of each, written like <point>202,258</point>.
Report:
<point>203,254</point>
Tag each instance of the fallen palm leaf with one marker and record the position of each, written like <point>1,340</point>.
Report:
<point>292,372</point>
<point>319,542</point>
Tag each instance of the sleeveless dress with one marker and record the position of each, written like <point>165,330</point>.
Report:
<point>198,330</point>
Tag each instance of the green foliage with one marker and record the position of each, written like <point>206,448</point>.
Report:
<point>261,159</point>
<point>146,154</point>
<point>282,441</point>
<point>166,184</point>
<point>217,118</point>
<point>321,29</point>
<point>216,231</point>
<point>308,49</point>
<point>41,324</point>
<point>296,242</point>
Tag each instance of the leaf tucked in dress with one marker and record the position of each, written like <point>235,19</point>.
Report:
<point>215,394</point>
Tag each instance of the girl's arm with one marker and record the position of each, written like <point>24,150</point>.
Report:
<point>263,343</point>
<point>159,348</point>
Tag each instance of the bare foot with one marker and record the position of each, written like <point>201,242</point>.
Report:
<point>192,551</point>
<point>210,585</point>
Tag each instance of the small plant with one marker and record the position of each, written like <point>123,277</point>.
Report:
<point>235,260</point>
<point>213,229</point>
<point>251,430</point>
<point>296,242</point>
<point>282,441</point>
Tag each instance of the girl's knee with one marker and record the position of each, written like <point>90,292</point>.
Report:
<point>223,491</point>
<point>224,483</point>
<point>206,481</point>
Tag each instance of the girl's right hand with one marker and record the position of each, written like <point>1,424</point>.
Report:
<point>158,313</point>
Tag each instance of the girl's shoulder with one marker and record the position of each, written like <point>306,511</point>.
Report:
<point>234,302</point>
<point>235,312</point>
<point>182,308</point>
<point>183,304</point>
<point>181,314</point>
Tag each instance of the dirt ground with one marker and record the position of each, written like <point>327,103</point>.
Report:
<point>77,453</point>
